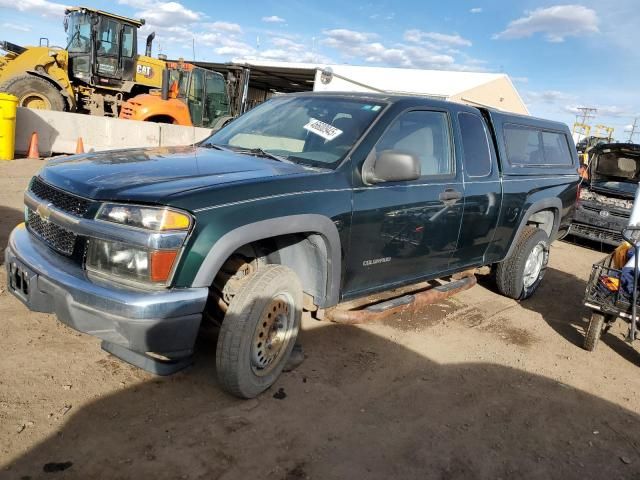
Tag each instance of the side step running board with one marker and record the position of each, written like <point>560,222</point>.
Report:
<point>414,300</point>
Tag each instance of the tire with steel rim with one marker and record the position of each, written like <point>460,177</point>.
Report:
<point>520,274</point>
<point>594,331</point>
<point>259,331</point>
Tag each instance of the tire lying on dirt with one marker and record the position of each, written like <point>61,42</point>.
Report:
<point>34,92</point>
<point>259,331</point>
<point>594,331</point>
<point>520,274</point>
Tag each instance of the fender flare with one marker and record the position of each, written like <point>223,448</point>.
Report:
<point>70,101</point>
<point>273,227</point>
<point>544,204</point>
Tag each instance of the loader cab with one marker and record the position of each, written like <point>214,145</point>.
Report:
<point>204,92</point>
<point>102,47</point>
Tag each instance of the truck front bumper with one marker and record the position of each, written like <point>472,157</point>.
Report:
<point>131,323</point>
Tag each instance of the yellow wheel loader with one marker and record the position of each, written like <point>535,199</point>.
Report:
<point>95,73</point>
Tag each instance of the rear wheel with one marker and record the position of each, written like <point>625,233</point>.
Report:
<point>259,331</point>
<point>34,92</point>
<point>594,331</point>
<point>520,275</point>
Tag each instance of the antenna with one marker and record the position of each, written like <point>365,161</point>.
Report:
<point>193,47</point>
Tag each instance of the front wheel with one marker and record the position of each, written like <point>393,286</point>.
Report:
<point>259,331</point>
<point>598,324</point>
<point>520,275</point>
<point>34,92</point>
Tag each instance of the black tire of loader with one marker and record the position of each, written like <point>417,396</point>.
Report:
<point>23,85</point>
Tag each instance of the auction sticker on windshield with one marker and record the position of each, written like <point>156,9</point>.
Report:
<point>326,131</point>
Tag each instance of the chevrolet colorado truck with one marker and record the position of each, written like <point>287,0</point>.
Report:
<point>309,202</point>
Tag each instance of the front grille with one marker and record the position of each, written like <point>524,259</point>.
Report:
<point>58,238</point>
<point>594,233</point>
<point>64,201</point>
<point>613,213</point>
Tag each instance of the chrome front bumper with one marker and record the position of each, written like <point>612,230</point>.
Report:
<point>163,322</point>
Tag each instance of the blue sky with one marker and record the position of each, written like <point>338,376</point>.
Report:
<point>560,55</point>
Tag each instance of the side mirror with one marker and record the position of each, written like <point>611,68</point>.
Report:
<point>393,166</point>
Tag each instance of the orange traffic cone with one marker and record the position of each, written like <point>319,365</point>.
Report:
<point>79,146</point>
<point>33,147</point>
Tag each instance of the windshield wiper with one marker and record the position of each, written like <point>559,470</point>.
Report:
<point>217,147</point>
<point>259,152</point>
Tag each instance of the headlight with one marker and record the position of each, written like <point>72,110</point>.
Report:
<point>149,218</point>
<point>130,264</point>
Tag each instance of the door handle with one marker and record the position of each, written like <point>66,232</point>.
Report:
<point>450,195</point>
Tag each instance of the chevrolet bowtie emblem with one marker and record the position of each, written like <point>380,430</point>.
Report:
<point>44,211</point>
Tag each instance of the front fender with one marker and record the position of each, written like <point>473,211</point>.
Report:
<point>252,232</point>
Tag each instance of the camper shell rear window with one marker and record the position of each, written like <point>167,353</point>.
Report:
<point>529,146</point>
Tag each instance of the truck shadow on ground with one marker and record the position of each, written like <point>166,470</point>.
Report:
<point>361,406</point>
<point>9,218</point>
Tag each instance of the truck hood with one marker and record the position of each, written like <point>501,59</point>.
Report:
<point>151,175</point>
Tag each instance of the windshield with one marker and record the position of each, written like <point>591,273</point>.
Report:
<point>316,131</point>
<point>617,164</point>
<point>78,33</point>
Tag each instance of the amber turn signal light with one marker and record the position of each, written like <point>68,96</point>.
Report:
<point>161,264</point>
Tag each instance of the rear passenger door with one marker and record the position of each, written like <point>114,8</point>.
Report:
<point>404,231</point>
<point>482,190</point>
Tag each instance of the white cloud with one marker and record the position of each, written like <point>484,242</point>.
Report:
<point>363,45</point>
<point>273,19</point>
<point>166,14</point>
<point>611,111</point>
<point>43,8</point>
<point>476,10</point>
<point>547,96</point>
<point>226,27</point>
<point>417,36</point>
<point>555,23</point>
<point>523,80</point>
<point>340,36</point>
<point>18,28</point>
<point>288,44</point>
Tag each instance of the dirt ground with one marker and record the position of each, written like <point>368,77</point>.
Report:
<point>477,387</point>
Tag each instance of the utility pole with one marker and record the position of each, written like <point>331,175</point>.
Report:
<point>587,113</point>
<point>633,129</point>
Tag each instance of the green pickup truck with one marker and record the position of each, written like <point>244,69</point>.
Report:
<point>309,202</point>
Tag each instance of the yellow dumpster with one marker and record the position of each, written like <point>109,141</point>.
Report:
<point>8,110</point>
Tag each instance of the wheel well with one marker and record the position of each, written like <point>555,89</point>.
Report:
<point>161,119</point>
<point>304,253</point>
<point>544,219</point>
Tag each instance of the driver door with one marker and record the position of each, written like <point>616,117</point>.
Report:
<point>406,231</point>
<point>195,97</point>
<point>108,49</point>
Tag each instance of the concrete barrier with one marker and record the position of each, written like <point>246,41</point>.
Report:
<point>58,132</point>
